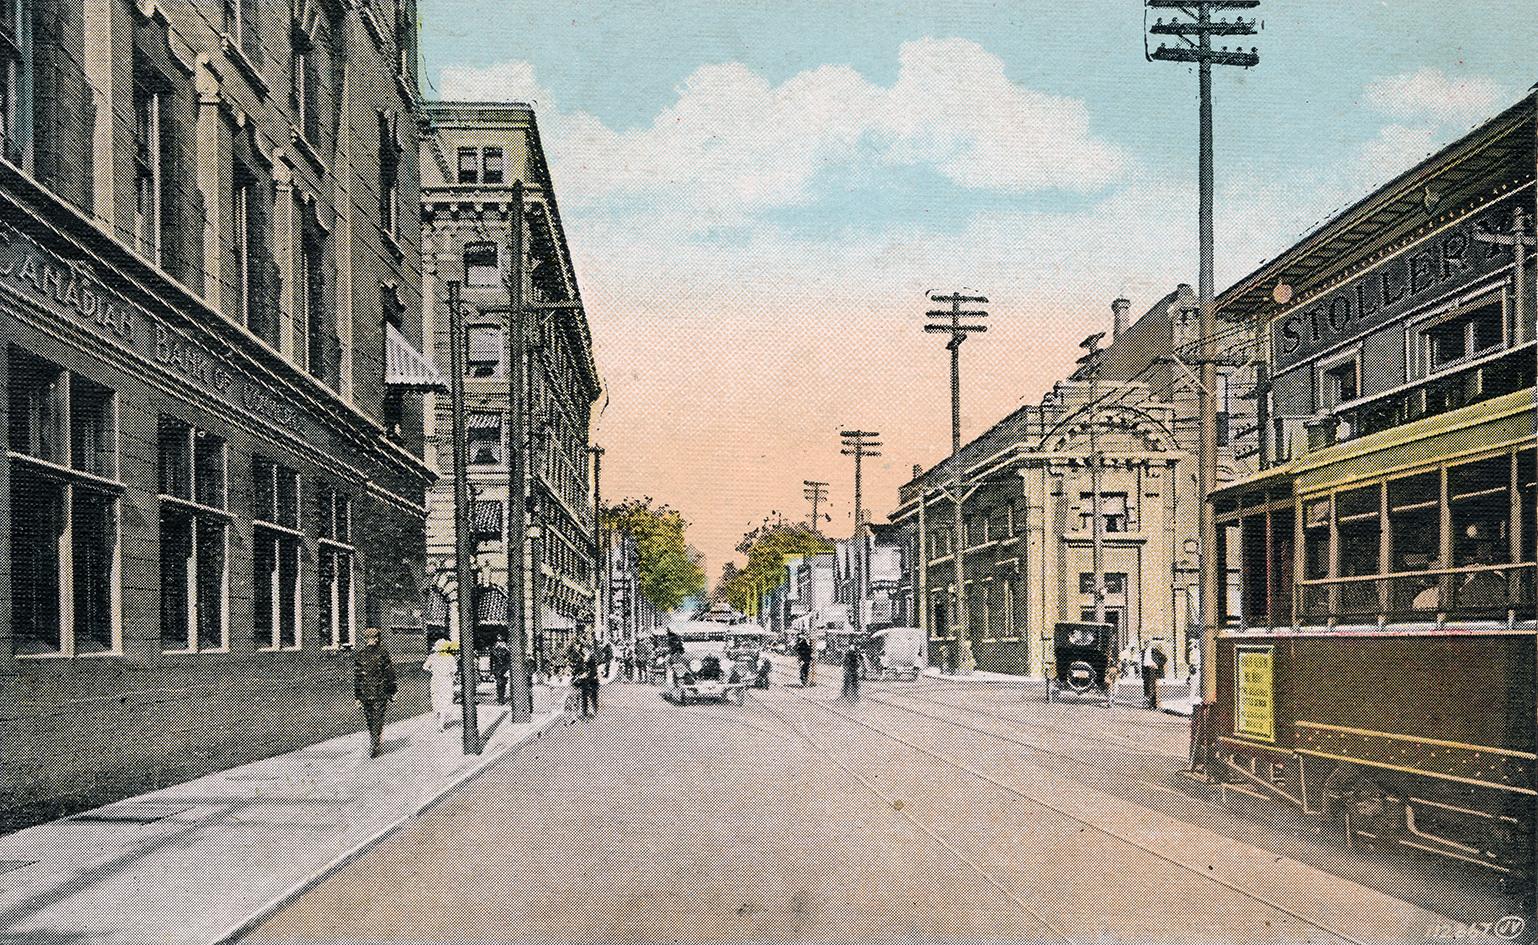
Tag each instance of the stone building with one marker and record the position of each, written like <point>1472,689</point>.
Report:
<point>214,475</point>
<point>1029,501</point>
<point>472,157</point>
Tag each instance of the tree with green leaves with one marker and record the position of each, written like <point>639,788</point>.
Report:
<point>669,569</point>
<point>767,547</point>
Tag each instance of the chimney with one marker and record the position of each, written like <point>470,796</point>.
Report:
<point>1119,312</point>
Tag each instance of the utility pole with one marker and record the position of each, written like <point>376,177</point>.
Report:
<point>859,444</point>
<point>1091,362</point>
<point>1196,37</point>
<point>517,446</point>
<point>815,493</point>
<point>463,572</point>
<point>951,323</point>
<point>600,557</point>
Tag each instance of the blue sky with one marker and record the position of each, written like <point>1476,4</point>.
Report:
<point>775,184</point>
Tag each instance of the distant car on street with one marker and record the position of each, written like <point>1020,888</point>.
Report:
<point>704,671</point>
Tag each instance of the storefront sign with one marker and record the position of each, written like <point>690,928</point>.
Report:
<point>72,289</point>
<point>1254,708</point>
<point>1443,262</point>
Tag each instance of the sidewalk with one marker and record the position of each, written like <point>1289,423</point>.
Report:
<point>204,861</point>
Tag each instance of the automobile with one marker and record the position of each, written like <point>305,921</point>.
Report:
<point>700,669</point>
<point>1082,655</point>
<point>895,653</point>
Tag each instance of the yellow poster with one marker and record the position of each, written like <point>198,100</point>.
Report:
<point>1254,710</point>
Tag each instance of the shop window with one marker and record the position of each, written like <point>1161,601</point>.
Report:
<point>483,431</point>
<point>194,538</point>
<point>62,434</point>
<point>335,568</point>
<point>491,166</point>
<point>1462,336</point>
<point>469,165</point>
<point>277,554</point>
<point>481,267</point>
<point>483,352</point>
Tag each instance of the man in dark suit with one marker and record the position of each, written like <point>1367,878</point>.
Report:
<point>804,655</point>
<point>373,683</point>
<point>501,665</point>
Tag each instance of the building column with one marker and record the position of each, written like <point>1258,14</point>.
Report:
<point>111,86</point>
<point>285,221</point>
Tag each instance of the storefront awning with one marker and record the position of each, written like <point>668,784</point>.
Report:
<point>407,367</point>
<point>491,607</point>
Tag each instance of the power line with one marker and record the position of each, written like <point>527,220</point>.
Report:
<point>859,444</point>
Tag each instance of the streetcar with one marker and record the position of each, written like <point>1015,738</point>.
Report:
<point>1375,660</point>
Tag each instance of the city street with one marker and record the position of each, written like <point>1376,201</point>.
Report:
<point>929,811</point>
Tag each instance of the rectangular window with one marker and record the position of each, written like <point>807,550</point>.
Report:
<point>1359,534</point>
<point>1462,336</point>
<point>63,491</point>
<point>1113,511</point>
<point>486,519</point>
<point>481,266</point>
<point>194,538</point>
<point>1415,538</point>
<point>1340,382</point>
<point>469,165</point>
<point>483,354</point>
<point>14,96</point>
<point>389,176</point>
<point>483,433</point>
<point>304,84</point>
<point>148,177</point>
<point>335,568</point>
<point>277,554</point>
<point>491,166</point>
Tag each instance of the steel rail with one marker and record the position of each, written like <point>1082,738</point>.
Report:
<point>1089,824</point>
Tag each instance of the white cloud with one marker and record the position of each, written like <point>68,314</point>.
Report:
<point>732,144</point>
<point>499,82</point>
<point>1431,95</point>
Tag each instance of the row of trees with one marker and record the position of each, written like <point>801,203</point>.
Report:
<point>766,548</point>
<point>669,569</point>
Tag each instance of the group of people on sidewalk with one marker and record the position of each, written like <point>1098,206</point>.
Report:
<point>589,662</point>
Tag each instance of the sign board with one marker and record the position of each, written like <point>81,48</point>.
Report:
<point>1254,707</point>
<point>1440,263</point>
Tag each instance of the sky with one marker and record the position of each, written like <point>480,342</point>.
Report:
<point>758,195</point>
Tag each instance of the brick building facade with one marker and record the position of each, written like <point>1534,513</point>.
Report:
<point>471,157</point>
<point>211,482</point>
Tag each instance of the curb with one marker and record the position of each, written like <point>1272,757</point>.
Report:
<point>240,929</point>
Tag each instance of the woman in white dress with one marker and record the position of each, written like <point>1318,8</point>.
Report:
<point>444,667</point>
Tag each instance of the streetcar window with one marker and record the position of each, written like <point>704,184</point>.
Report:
<point>1356,517</point>
<point>1252,568</point>
<point>1283,523</point>
<point>1480,496</point>
<point>1316,540</point>
<point>1527,492</point>
<point>1415,538</point>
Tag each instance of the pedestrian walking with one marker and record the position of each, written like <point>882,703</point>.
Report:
<point>852,673</point>
<point>501,666</point>
<point>586,670</point>
<point>804,655</point>
<point>1153,668</point>
<point>373,683</point>
<point>606,659</point>
<point>444,667</point>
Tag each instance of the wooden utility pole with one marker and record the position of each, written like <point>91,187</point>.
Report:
<point>517,445</point>
<point>859,444</point>
<point>1199,50</point>
<point>950,323</point>
<point>816,493</point>
<point>600,556</point>
<point>464,573</point>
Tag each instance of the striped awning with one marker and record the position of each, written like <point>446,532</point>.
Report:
<point>407,367</point>
<point>482,420</point>
<point>491,607</point>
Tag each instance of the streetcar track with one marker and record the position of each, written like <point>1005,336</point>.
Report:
<point>1126,742</point>
<point>894,805</point>
<point>1047,805</point>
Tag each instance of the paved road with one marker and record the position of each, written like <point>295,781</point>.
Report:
<point>927,812</point>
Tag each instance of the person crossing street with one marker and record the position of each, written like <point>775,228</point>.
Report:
<point>804,655</point>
